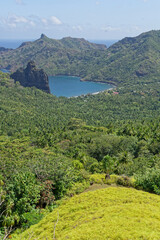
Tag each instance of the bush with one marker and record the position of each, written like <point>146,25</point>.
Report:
<point>78,187</point>
<point>113,179</point>
<point>125,181</point>
<point>97,178</point>
<point>150,181</point>
<point>24,191</point>
<point>32,218</point>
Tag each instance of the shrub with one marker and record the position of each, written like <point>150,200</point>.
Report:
<point>32,218</point>
<point>77,165</point>
<point>150,181</point>
<point>78,187</point>
<point>113,179</point>
<point>125,181</point>
<point>97,178</point>
<point>47,196</point>
<point>24,191</point>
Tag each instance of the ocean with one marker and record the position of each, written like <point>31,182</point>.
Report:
<point>8,43</point>
<point>69,86</point>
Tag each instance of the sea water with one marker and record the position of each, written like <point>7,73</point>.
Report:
<point>70,86</point>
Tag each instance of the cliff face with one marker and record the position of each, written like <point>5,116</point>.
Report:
<point>32,77</point>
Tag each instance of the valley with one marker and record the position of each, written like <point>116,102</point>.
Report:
<point>54,150</point>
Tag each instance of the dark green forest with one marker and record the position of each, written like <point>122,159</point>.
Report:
<point>50,146</point>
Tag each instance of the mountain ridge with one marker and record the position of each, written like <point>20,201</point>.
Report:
<point>129,61</point>
<point>50,54</point>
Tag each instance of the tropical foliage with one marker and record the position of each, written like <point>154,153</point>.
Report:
<point>54,147</point>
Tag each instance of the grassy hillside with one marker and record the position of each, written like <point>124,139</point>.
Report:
<point>112,213</point>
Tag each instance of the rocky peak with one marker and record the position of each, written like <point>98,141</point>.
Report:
<point>31,66</point>
<point>32,77</point>
<point>43,36</point>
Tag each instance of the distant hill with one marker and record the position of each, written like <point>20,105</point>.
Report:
<point>128,62</point>
<point>112,213</point>
<point>133,59</point>
<point>54,56</point>
<point>3,49</point>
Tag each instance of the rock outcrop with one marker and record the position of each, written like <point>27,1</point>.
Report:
<point>32,77</point>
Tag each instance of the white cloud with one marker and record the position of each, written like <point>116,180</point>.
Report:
<point>97,3</point>
<point>12,25</point>
<point>20,2</point>
<point>55,20</point>
<point>77,28</point>
<point>110,29</point>
<point>15,21</point>
<point>18,19</point>
<point>44,21</point>
<point>136,28</point>
<point>33,24</point>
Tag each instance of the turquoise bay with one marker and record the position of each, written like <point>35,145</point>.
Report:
<point>70,86</point>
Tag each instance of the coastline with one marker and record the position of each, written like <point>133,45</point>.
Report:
<point>94,93</point>
<point>103,82</point>
<point>101,91</point>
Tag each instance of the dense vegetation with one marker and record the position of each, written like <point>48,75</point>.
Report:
<point>51,146</point>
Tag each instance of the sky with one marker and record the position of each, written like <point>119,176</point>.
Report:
<point>89,19</point>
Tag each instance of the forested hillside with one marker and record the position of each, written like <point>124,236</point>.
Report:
<point>66,56</point>
<point>52,147</point>
<point>129,62</point>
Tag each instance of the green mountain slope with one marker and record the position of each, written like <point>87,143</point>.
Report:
<point>128,62</point>
<point>30,108</point>
<point>134,59</point>
<point>112,213</point>
<point>54,56</point>
<point>45,145</point>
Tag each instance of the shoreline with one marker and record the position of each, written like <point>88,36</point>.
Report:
<point>95,93</point>
<point>103,82</point>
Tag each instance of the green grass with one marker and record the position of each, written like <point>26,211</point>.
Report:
<point>111,213</point>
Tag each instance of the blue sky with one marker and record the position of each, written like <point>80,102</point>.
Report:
<point>90,19</point>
